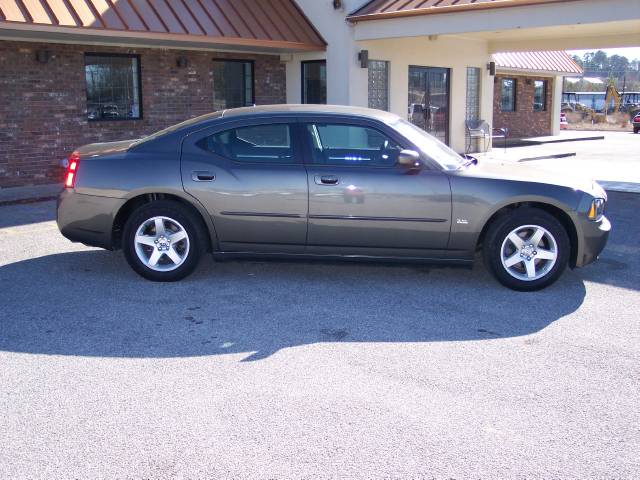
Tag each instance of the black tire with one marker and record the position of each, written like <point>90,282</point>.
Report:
<point>192,225</point>
<point>519,218</point>
<point>636,130</point>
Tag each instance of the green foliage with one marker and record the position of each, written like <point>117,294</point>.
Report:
<point>624,73</point>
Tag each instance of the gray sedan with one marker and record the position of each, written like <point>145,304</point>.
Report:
<point>324,182</point>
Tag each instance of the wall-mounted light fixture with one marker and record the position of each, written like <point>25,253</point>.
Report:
<point>182,62</point>
<point>528,81</point>
<point>491,67</point>
<point>363,57</point>
<point>43,56</point>
<point>337,4</point>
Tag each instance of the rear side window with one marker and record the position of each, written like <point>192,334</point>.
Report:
<point>254,144</point>
<point>339,144</point>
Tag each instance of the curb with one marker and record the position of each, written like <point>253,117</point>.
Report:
<point>547,157</point>
<point>531,143</point>
<point>20,201</point>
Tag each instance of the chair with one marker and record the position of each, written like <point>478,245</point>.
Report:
<point>481,129</point>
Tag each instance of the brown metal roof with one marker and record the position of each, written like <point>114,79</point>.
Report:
<point>379,9</point>
<point>548,61</point>
<point>279,24</point>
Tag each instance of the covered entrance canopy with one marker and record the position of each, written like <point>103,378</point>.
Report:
<point>461,35</point>
<point>507,25</point>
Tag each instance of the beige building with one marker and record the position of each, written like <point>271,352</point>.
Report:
<point>429,61</point>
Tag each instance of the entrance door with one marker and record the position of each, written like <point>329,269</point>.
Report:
<point>429,100</point>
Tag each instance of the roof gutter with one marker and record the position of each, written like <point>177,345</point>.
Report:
<point>61,34</point>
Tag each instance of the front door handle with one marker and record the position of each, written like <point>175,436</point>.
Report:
<point>326,179</point>
<point>202,176</point>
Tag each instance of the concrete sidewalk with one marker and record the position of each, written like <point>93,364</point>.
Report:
<point>32,193</point>
<point>613,161</point>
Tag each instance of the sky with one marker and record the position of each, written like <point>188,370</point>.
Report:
<point>630,53</point>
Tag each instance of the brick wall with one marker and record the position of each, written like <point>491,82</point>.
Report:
<point>524,122</point>
<point>43,113</point>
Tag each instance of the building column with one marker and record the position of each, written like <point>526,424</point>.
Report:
<point>556,104</point>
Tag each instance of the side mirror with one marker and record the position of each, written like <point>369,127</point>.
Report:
<point>409,159</point>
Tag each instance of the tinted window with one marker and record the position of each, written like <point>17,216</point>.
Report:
<point>113,87</point>
<point>255,144</point>
<point>508,95</point>
<point>539,95</point>
<point>314,82</point>
<point>232,84</point>
<point>336,144</point>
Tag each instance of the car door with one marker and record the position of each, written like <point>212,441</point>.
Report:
<point>251,178</point>
<point>361,202</point>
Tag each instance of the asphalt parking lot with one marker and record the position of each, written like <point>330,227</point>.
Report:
<point>252,369</point>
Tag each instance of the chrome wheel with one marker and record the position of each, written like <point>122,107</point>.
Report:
<point>529,252</point>
<point>161,243</point>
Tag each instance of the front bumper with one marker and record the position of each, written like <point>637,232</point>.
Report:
<point>87,219</point>
<point>594,239</point>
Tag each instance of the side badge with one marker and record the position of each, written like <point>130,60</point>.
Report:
<point>462,221</point>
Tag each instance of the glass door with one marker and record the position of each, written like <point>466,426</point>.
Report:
<point>429,100</point>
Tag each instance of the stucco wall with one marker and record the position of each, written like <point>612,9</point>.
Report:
<point>344,77</point>
<point>454,53</point>
<point>347,83</point>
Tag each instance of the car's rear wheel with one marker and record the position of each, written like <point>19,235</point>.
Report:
<point>526,249</point>
<point>163,241</point>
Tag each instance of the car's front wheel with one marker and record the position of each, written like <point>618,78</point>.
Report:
<point>526,249</point>
<point>163,241</point>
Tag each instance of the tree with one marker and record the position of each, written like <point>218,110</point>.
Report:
<point>618,65</point>
<point>578,60</point>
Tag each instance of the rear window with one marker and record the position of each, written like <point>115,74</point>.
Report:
<point>178,126</point>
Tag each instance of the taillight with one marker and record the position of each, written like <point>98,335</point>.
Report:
<point>72,169</point>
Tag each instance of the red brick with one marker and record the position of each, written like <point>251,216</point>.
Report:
<point>43,113</point>
<point>524,122</point>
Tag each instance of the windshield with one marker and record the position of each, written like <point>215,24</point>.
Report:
<point>430,146</point>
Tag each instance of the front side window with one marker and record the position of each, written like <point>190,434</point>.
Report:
<point>351,145</point>
<point>113,87</point>
<point>508,95</point>
<point>539,95</point>
<point>433,148</point>
<point>255,144</point>
<point>314,82</point>
<point>232,84</point>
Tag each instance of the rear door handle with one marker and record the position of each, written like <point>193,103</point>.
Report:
<point>202,176</point>
<point>326,179</point>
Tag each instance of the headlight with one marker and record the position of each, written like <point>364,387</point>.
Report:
<point>596,211</point>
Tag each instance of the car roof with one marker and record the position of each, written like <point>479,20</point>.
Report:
<point>197,123</point>
<point>309,109</point>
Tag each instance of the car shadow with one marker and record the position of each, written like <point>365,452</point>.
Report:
<point>89,303</point>
<point>27,213</point>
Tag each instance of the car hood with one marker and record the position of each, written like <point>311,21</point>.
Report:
<point>105,148</point>
<point>502,170</point>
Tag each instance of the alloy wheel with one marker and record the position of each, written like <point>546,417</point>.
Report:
<point>161,243</point>
<point>529,252</point>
